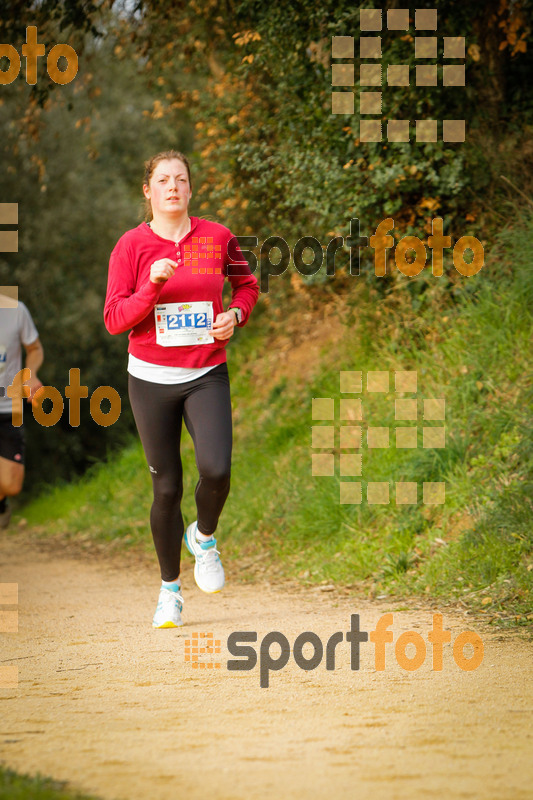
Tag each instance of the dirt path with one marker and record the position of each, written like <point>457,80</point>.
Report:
<point>109,704</point>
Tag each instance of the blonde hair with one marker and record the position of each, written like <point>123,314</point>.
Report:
<point>149,167</point>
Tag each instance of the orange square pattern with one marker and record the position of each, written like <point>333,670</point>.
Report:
<point>323,464</point>
<point>193,649</point>
<point>202,247</point>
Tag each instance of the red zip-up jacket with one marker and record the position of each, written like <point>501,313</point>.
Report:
<point>203,260</point>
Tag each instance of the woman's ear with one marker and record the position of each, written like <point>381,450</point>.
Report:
<point>146,191</point>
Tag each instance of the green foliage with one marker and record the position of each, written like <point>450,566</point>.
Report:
<point>23,787</point>
<point>285,164</point>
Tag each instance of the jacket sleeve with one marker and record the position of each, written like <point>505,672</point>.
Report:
<point>244,285</point>
<point>125,304</point>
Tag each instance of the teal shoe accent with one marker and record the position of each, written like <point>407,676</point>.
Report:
<point>206,545</point>
<point>172,587</point>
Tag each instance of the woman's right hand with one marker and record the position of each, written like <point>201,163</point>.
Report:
<point>162,270</point>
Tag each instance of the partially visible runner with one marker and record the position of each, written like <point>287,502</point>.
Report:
<point>16,329</point>
<point>165,284</point>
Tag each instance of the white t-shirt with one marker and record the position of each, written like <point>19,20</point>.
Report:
<point>156,373</point>
<point>16,329</point>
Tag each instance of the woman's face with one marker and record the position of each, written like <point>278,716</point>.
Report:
<point>169,191</point>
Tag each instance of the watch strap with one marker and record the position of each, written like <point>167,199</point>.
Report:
<point>238,313</point>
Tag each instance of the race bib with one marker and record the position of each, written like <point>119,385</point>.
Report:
<point>178,324</point>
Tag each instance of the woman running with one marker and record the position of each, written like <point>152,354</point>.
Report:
<point>165,284</point>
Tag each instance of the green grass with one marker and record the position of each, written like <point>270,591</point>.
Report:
<point>470,343</point>
<point>22,787</point>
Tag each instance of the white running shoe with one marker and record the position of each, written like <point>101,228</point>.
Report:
<point>168,611</point>
<point>208,570</point>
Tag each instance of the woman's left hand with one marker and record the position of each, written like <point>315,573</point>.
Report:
<point>223,325</point>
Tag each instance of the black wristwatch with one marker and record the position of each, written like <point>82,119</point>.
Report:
<point>238,313</point>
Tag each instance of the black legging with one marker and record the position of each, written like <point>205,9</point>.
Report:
<point>205,405</point>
